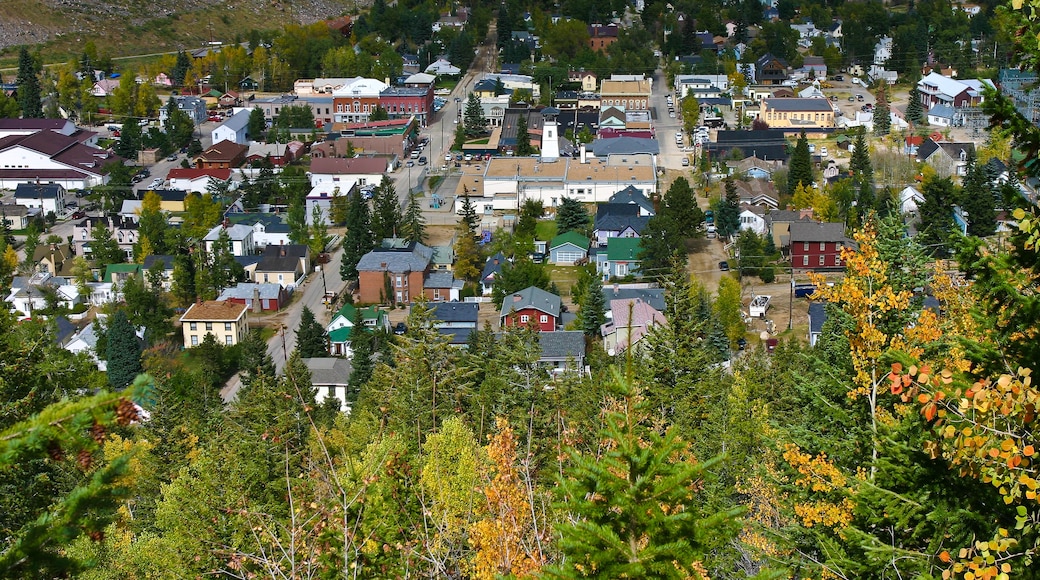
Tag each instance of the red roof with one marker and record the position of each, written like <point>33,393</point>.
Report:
<point>352,166</point>
<point>914,140</point>
<point>191,174</point>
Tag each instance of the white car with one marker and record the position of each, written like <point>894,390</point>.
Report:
<point>823,151</point>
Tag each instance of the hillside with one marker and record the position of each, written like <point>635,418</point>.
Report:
<point>126,27</point>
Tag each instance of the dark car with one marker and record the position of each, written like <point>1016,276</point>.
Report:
<point>742,343</point>
<point>724,266</point>
<point>839,78</point>
<point>400,328</point>
<point>709,217</point>
<point>79,215</point>
<point>422,161</point>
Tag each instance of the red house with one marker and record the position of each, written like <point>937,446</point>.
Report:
<point>532,306</point>
<point>817,246</point>
<point>405,102</point>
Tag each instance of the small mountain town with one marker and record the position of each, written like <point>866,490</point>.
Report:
<point>461,289</point>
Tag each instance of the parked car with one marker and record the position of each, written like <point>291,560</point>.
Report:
<point>724,266</point>
<point>172,157</point>
<point>214,118</point>
<point>422,161</point>
<point>685,161</point>
<point>400,328</point>
<point>157,182</point>
<point>823,151</point>
<point>839,77</point>
<point>79,215</point>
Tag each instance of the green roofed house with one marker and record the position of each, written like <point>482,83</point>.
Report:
<point>620,258</point>
<point>568,249</point>
<point>120,273</point>
<point>342,323</point>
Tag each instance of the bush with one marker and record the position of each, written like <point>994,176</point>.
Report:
<point>79,309</point>
<point>767,274</point>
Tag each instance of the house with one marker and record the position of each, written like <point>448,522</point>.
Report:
<point>118,274</point>
<point>104,87</point>
<point>937,89</point>
<point>9,127</point>
<point>226,321</point>
<point>621,258</point>
<point>268,229</point>
<point>29,294</point>
<point>407,102</point>
<point>568,249</point>
<point>192,106</point>
<point>48,197</point>
<point>562,351</point>
<point>443,67</point>
<point>229,99</point>
<point>796,113</point>
<point>910,199</point>
<point>814,67</point>
<point>948,158</point>
<point>442,286</point>
<point>636,197</point>
<point>85,341</point>
<point>339,328</point>
<point>286,265</point>
<point>240,237</point>
<point>765,144</point>
<point>278,154</point>
<point>630,321</point>
<point>456,320</point>
<point>780,224</point>
<point>330,377</point>
<point>55,259</point>
<point>234,129</point>
<point>941,115</point>
<point>492,270</point>
<point>587,79</point>
<point>771,70</point>
<point>364,171</point>
<point>532,305</point>
<point>817,316</point>
<point>123,230</point>
<point>617,220</point>
<point>398,269</point>
<point>817,246</point>
<point>757,192</point>
<point>15,216</point>
<point>753,218</point>
<point>165,266</point>
<point>638,291</point>
<point>322,195</point>
<point>602,36</point>
<point>224,154</point>
<point>257,297</point>
<point>193,180</point>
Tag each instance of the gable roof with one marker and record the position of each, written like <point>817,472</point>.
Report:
<point>214,310</point>
<point>456,312</point>
<point>112,269</point>
<point>493,266</point>
<point>244,291</point>
<point>414,258</point>
<point>623,249</point>
<point>166,260</point>
<point>193,174</point>
<point>625,146</point>
<point>532,297</point>
<point>633,195</point>
<point>225,150</point>
<point>652,296</point>
<point>571,237</point>
<point>348,166</point>
<point>237,122</point>
<point>807,231</point>
<point>235,232</point>
<point>278,264</point>
<point>562,345</point>
<point>37,191</point>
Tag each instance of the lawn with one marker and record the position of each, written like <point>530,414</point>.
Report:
<point>564,276</point>
<point>545,230</point>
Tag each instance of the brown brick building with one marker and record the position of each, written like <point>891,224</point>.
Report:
<point>398,268</point>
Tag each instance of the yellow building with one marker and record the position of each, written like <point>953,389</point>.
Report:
<point>632,95</point>
<point>225,320</point>
<point>782,113</point>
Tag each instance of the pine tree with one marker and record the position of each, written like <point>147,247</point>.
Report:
<point>361,346</point>
<point>800,171</point>
<point>311,338</point>
<point>681,206</point>
<point>129,140</point>
<point>727,214</point>
<point>468,215</point>
<point>936,214</point>
<point>29,94</point>
<point>124,352</point>
<point>257,124</point>
<point>474,120</point>
<point>571,215</point>
<point>860,164</point>
<point>882,113</point>
<point>358,240</point>
<point>914,108</point>
<point>978,200</point>
<point>523,137</point>
<point>255,360</point>
<point>414,224</point>
<point>386,211</point>
<point>613,531</point>
<point>660,244</point>
<point>593,306</point>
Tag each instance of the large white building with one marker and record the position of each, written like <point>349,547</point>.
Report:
<point>47,156</point>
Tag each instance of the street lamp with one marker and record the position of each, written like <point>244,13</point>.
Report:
<point>285,353</point>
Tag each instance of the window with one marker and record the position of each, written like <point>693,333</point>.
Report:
<point>823,260</point>
<point>805,246</point>
<point>524,318</point>
<point>193,326</point>
<point>805,260</point>
<point>194,340</point>
<point>398,280</point>
<point>209,326</point>
<point>227,326</point>
<point>227,339</point>
<point>823,246</point>
<point>543,318</point>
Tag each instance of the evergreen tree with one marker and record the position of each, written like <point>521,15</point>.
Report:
<point>468,215</point>
<point>936,215</point>
<point>468,257</point>
<point>311,338</point>
<point>914,108</point>
<point>183,283</point>
<point>978,200</point>
<point>682,208</point>
<point>129,140</point>
<point>361,346</point>
<point>29,94</point>
<point>571,215</point>
<point>859,163</point>
<point>882,113</point>
<point>612,529</point>
<point>255,361</point>
<point>124,352</point>
<point>296,219</point>
<point>414,224</point>
<point>257,125</point>
<point>523,137</point>
<point>474,120</point>
<point>180,68</point>
<point>386,211</point>
<point>660,244</point>
<point>530,213</point>
<point>593,306</point>
<point>727,211</point>
<point>800,171</point>
<point>358,239</point>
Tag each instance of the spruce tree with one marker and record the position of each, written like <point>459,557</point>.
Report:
<point>914,109</point>
<point>593,307</point>
<point>311,338</point>
<point>29,95</point>
<point>660,243</point>
<point>358,240</point>
<point>124,352</point>
<point>860,164</point>
<point>571,215</point>
<point>727,214</point>
<point>977,200</point>
<point>386,211</point>
<point>611,527</point>
<point>936,215</point>
<point>257,124</point>
<point>414,224</point>
<point>474,121</point>
<point>680,204</point>
<point>129,140</point>
<point>800,171</point>
<point>523,137</point>
<point>361,346</point>
<point>468,216</point>
<point>882,113</point>
<point>255,361</point>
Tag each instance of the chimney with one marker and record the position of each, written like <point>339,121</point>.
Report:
<point>256,299</point>
<point>225,223</point>
<point>283,251</point>
<point>805,213</point>
<point>617,288</point>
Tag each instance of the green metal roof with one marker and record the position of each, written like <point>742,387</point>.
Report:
<point>571,237</point>
<point>626,249</point>
<point>340,335</point>
<point>120,269</point>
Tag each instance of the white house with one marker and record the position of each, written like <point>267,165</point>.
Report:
<point>197,180</point>
<point>51,157</point>
<point>941,115</point>
<point>233,129</point>
<point>909,200</point>
<point>48,197</point>
<point>753,220</point>
<point>321,196</point>
<point>442,66</point>
<point>344,172</point>
<point>240,236</point>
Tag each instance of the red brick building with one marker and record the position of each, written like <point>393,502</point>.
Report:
<point>817,246</point>
<point>601,37</point>
<point>396,268</point>
<point>405,102</point>
<point>532,306</point>
<point>223,155</point>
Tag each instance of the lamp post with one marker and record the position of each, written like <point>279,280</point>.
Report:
<point>285,353</point>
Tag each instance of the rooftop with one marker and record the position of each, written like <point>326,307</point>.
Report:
<point>214,310</point>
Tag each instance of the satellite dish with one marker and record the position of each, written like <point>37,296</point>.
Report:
<point>611,352</point>
<point>764,335</point>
